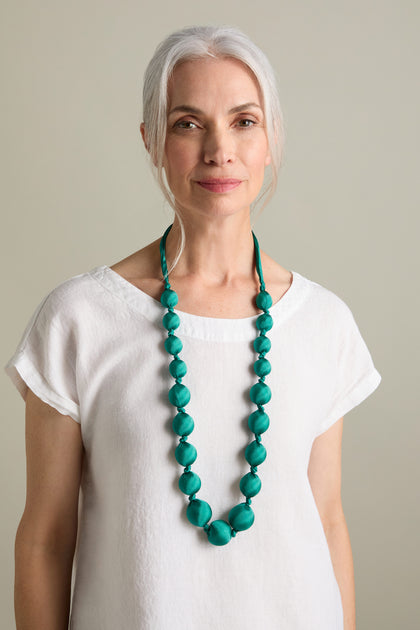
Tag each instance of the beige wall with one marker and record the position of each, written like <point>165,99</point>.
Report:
<point>77,194</point>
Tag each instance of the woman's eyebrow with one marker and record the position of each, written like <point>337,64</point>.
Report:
<point>194,110</point>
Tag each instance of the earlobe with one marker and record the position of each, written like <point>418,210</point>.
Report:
<point>268,159</point>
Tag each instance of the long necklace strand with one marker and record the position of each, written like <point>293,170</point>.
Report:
<point>241,517</point>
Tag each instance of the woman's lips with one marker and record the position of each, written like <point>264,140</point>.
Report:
<point>219,185</point>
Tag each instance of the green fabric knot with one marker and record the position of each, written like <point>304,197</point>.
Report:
<point>258,438</point>
<point>254,469</point>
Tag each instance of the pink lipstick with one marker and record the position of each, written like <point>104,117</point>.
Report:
<point>219,185</point>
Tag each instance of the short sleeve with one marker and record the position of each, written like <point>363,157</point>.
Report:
<point>45,359</point>
<point>355,376</point>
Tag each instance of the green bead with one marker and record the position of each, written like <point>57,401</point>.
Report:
<point>250,484</point>
<point>262,367</point>
<point>171,320</point>
<point>260,393</point>
<point>241,517</point>
<point>264,300</point>
<point>169,298</point>
<point>189,483</point>
<point>179,395</point>
<point>183,424</point>
<point>198,512</point>
<point>258,421</point>
<point>255,453</point>
<point>173,344</point>
<point>219,533</point>
<point>264,322</point>
<point>262,344</point>
<point>177,368</point>
<point>185,454</point>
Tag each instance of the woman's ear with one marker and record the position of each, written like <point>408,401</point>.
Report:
<point>143,132</point>
<point>144,136</point>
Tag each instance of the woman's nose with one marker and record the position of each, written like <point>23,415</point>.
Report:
<point>218,147</point>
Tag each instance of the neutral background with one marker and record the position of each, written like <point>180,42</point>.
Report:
<point>77,193</point>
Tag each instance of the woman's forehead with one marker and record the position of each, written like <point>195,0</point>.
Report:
<point>216,78</point>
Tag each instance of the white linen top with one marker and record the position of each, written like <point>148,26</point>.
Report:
<point>94,350</point>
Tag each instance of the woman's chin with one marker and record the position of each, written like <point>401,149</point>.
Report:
<point>217,209</point>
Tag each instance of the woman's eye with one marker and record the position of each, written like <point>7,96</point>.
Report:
<point>185,124</point>
<point>246,122</point>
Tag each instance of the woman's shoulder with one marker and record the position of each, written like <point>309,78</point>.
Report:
<point>316,296</point>
<point>74,286</point>
<point>327,308</point>
<point>72,298</point>
<point>142,269</point>
<point>311,298</point>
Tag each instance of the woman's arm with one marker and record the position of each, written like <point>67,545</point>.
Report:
<point>324,472</point>
<point>46,536</point>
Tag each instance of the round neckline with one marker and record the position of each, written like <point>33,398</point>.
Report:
<point>199,326</point>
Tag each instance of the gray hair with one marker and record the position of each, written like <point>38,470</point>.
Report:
<point>197,42</point>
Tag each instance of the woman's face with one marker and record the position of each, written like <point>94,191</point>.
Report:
<point>216,146</point>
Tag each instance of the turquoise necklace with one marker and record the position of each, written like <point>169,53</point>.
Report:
<point>199,512</point>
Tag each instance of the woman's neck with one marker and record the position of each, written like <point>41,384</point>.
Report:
<point>216,251</point>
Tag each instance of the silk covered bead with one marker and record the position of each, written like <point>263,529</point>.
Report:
<point>262,344</point>
<point>183,424</point>
<point>262,367</point>
<point>185,454</point>
<point>178,368</point>
<point>219,533</point>
<point>198,512</point>
<point>250,484</point>
<point>264,300</point>
<point>173,344</point>
<point>179,395</point>
<point>171,320</point>
<point>264,322</point>
<point>258,421</point>
<point>189,482</point>
<point>255,453</point>
<point>241,517</point>
<point>260,393</point>
<point>169,298</point>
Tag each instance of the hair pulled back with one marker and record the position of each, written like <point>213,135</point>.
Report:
<point>197,42</point>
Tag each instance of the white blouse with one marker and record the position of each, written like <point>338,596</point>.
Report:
<point>94,350</point>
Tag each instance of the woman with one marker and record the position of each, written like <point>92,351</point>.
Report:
<point>263,365</point>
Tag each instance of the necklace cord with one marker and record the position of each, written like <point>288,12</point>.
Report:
<point>163,263</point>
<point>258,262</point>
